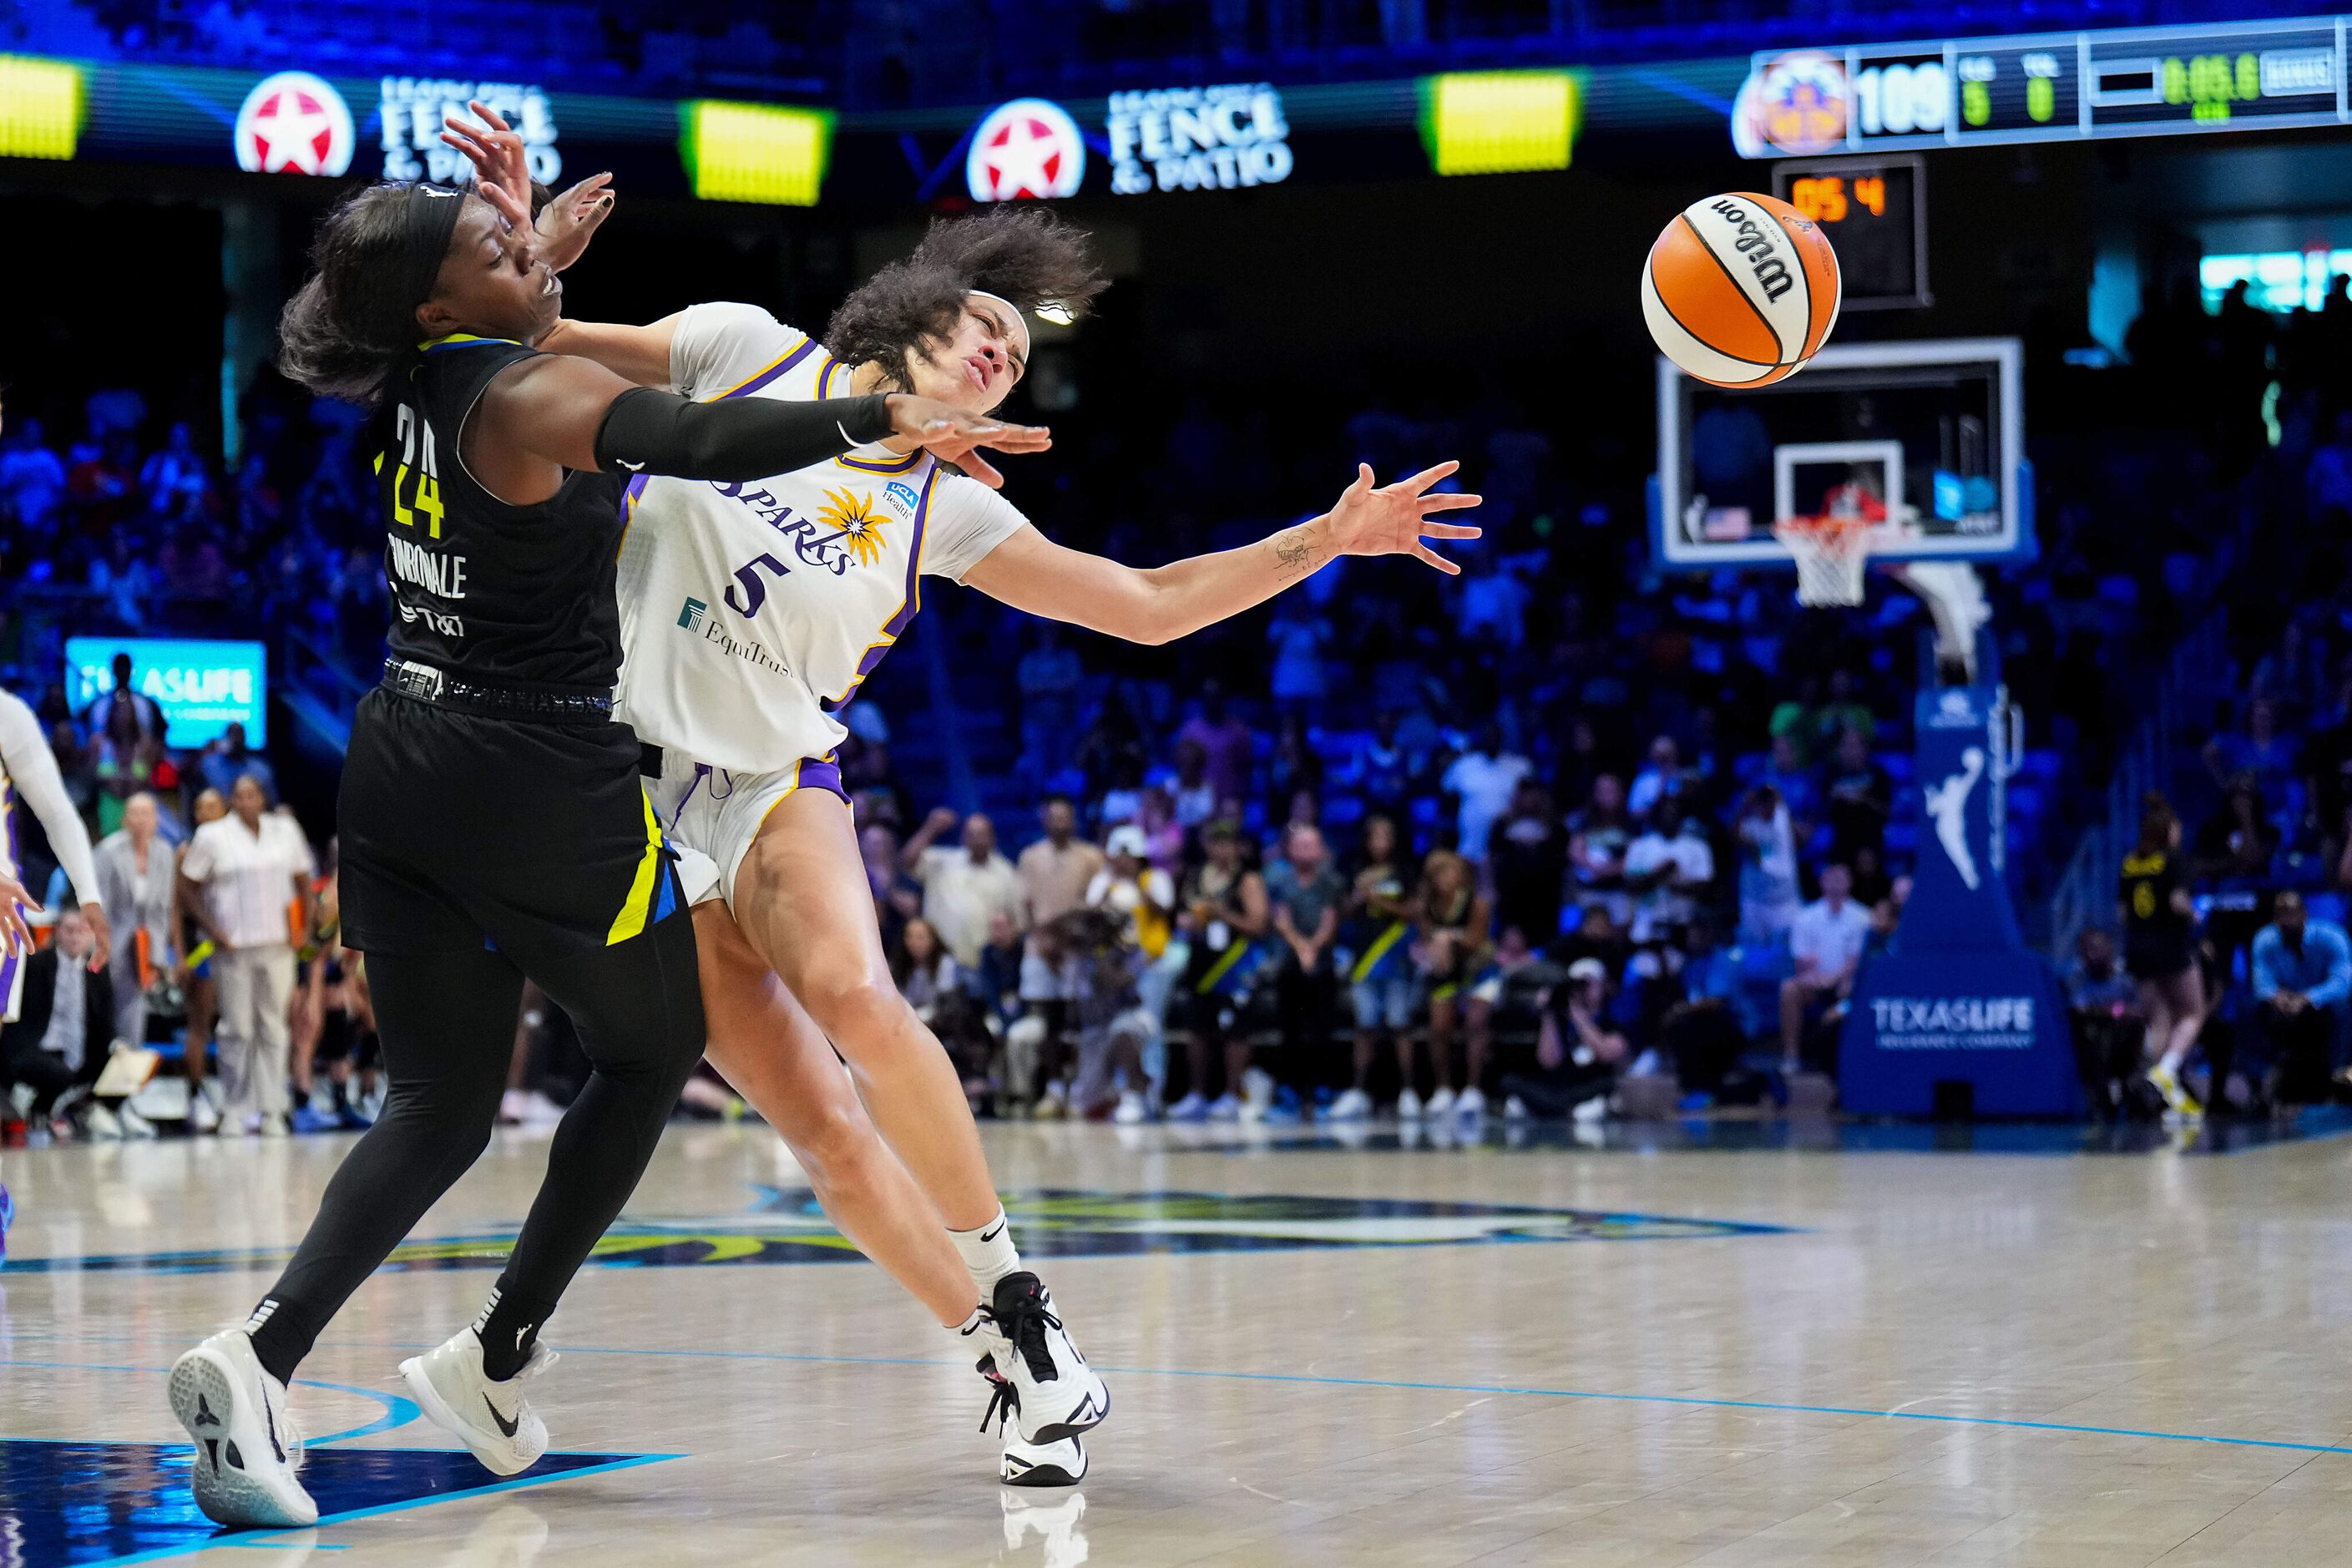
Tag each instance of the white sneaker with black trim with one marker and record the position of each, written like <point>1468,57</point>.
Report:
<point>248,1446</point>
<point>1054,1392</point>
<point>1026,1464</point>
<point>493,1419</point>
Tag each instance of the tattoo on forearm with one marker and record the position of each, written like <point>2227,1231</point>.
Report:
<point>1291,550</point>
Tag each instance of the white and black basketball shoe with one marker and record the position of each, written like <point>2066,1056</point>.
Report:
<point>248,1446</point>
<point>492,1418</point>
<point>1055,1393</point>
<point>1057,1464</point>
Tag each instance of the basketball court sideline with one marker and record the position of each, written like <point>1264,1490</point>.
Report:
<point>1686,1354</point>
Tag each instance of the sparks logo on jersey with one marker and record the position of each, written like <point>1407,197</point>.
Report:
<point>1027,148</point>
<point>691,616</point>
<point>903,497</point>
<point>294,124</point>
<point>860,529</point>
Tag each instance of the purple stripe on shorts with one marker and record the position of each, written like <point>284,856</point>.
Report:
<point>820,772</point>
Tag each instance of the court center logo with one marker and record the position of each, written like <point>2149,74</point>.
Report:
<point>1027,149</point>
<point>785,1225</point>
<point>294,124</point>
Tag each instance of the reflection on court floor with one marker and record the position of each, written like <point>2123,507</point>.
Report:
<point>116,1502</point>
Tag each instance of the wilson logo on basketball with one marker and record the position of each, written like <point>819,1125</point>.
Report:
<point>1762,258</point>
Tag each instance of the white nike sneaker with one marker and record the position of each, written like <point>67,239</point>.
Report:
<point>494,1421</point>
<point>1026,1464</point>
<point>1409,1107</point>
<point>1470,1102</point>
<point>202,1115</point>
<point>248,1446</point>
<point>1354,1105</point>
<point>1440,1104</point>
<point>1052,1391</point>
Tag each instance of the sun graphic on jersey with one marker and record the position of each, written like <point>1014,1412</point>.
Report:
<point>860,526</point>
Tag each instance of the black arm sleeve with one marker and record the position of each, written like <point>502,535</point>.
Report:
<point>655,432</point>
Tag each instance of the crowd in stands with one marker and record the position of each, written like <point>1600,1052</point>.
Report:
<point>1395,839</point>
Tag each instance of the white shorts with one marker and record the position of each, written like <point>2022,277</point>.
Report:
<point>710,815</point>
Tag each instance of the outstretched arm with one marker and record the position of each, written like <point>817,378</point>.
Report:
<point>1161,604</point>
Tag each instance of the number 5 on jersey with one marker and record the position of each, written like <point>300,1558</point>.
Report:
<point>424,497</point>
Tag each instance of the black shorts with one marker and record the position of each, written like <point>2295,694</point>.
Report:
<point>461,832</point>
<point>2157,957</point>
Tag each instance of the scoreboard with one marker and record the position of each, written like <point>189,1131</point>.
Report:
<point>2232,76</point>
<point>1874,212</point>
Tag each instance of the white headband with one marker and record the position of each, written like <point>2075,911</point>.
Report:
<point>1012,311</point>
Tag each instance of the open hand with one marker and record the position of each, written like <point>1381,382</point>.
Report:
<point>502,174</point>
<point>1395,519</point>
<point>954,436</point>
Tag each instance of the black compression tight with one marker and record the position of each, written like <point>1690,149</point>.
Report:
<point>448,1026</point>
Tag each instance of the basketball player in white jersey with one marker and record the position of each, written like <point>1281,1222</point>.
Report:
<point>751,613</point>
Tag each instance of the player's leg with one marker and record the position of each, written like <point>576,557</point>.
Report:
<point>444,1019</point>
<point>637,1005</point>
<point>800,896</point>
<point>1445,1020</point>
<point>273,996</point>
<point>764,1044</point>
<point>232,1037</point>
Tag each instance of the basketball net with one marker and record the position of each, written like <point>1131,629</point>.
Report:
<point>1831,552</point>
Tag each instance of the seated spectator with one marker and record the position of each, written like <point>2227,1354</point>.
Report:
<point>1667,868</point>
<point>1381,981</point>
<point>1304,896</point>
<point>1108,1024</point>
<point>1483,778</point>
<point>1452,925</point>
<point>925,972</point>
<point>1826,940</point>
<point>2303,992</point>
<point>963,886</point>
<point>1577,1055</point>
<point>2258,751</point>
<point>1859,797</point>
<point>1141,896</point>
<point>1661,775</point>
<point>227,757</point>
<point>1055,870</point>
<point>1769,894</point>
<point>995,982</point>
<point>2102,1003</point>
<point>1194,796</point>
<point>1507,996</point>
<point>1223,916</point>
<point>1527,862</point>
<point>1381,768</point>
<point>2231,856</point>
<point>1295,769</point>
<point>64,1029</point>
<point>898,898</point>
<point>1785,771</point>
<point>1704,1031</point>
<point>1597,839</point>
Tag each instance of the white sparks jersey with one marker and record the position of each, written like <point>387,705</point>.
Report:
<point>752,613</point>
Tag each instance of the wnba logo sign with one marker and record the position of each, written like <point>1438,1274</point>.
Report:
<point>1024,148</point>
<point>294,124</point>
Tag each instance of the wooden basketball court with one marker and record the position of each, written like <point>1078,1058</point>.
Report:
<point>1518,1351</point>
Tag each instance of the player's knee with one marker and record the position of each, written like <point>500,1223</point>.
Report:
<point>855,1009</point>
<point>837,1145</point>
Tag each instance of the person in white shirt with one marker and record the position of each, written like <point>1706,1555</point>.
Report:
<point>1667,867</point>
<point>1485,777</point>
<point>248,878</point>
<point>749,616</point>
<point>1826,940</point>
<point>965,886</point>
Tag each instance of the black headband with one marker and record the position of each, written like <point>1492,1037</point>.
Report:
<point>429,218</point>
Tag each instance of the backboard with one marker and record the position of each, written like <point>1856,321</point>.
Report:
<point>1925,440</point>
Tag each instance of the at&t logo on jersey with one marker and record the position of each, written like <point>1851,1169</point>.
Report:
<point>1029,148</point>
<point>294,124</point>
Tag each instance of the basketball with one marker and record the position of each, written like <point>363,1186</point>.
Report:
<point>1740,290</point>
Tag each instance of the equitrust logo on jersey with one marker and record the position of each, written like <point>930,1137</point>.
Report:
<point>694,616</point>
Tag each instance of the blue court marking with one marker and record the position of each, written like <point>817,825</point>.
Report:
<point>1669,1399</point>
<point>397,1412</point>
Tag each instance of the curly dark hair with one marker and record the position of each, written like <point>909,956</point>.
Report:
<point>345,328</point>
<point>1025,254</point>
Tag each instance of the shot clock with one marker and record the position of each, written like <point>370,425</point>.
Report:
<point>1874,212</point>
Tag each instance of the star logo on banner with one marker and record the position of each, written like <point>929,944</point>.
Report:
<point>1026,150</point>
<point>294,124</point>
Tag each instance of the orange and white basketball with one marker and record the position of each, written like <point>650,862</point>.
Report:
<point>1740,290</point>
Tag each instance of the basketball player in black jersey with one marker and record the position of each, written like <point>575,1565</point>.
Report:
<point>493,825</point>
